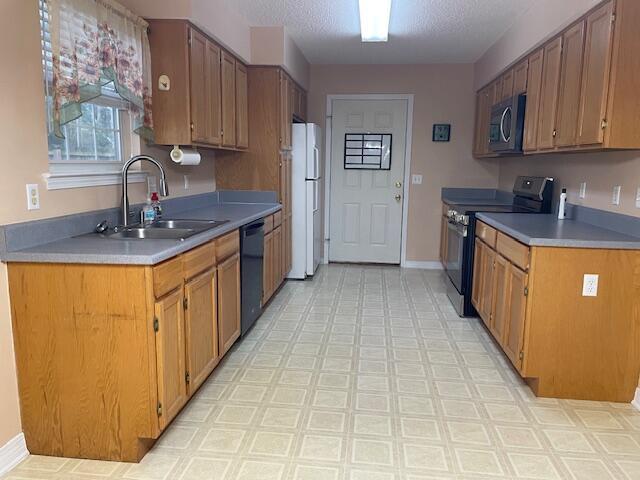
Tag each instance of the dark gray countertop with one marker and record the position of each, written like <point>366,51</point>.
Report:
<point>548,231</point>
<point>96,249</point>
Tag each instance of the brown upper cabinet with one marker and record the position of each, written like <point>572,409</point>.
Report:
<point>582,86</point>
<point>196,97</point>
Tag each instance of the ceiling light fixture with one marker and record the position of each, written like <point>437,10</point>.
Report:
<point>374,20</point>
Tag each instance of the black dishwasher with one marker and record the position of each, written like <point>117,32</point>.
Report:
<point>251,261</point>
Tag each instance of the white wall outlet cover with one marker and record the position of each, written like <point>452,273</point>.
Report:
<point>615,199</point>
<point>416,179</point>
<point>164,83</point>
<point>583,190</point>
<point>33,196</point>
<point>590,285</point>
<point>186,182</point>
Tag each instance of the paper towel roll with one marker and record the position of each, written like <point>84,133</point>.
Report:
<point>185,157</point>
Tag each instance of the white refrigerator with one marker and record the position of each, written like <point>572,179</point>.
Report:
<point>306,175</point>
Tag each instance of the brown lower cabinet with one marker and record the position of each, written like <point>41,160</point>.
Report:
<point>276,254</point>
<point>107,355</point>
<point>563,344</point>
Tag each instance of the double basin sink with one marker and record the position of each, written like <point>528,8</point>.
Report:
<point>165,230</point>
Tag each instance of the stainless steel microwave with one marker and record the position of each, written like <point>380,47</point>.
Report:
<point>506,128</point>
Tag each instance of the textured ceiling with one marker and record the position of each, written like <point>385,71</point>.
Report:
<point>420,31</point>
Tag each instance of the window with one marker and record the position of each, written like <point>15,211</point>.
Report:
<point>94,145</point>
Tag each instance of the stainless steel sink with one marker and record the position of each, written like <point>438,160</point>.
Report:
<point>165,230</point>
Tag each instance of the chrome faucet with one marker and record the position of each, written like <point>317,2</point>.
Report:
<point>164,189</point>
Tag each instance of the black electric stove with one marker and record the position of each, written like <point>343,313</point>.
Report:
<point>531,195</point>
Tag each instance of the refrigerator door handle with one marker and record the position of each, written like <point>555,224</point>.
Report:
<point>315,196</point>
<point>316,162</point>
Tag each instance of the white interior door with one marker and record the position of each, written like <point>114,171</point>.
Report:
<point>366,204</point>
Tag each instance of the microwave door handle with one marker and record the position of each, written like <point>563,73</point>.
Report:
<point>502,135</point>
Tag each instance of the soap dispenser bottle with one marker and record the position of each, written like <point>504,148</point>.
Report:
<point>148,213</point>
<point>562,205</point>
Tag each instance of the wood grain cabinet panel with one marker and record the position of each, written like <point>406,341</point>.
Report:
<point>595,75</point>
<point>549,94</point>
<point>500,301</point>
<point>267,268</point>
<point>515,314</point>
<point>506,89</point>
<point>486,297</point>
<point>228,302</point>
<point>520,76</point>
<point>277,274</point>
<point>228,75</point>
<point>569,92</point>
<point>201,327</point>
<point>214,58</point>
<point>200,81</point>
<point>170,356</point>
<point>242,106</point>
<point>534,89</point>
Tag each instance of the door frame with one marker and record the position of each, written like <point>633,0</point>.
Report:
<point>407,166</point>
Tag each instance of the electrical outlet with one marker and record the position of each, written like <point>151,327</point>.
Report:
<point>416,179</point>
<point>33,197</point>
<point>186,182</point>
<point>590,285</point>
<point>638,198</point>
<point>583,190</point>
<point>615,199</point>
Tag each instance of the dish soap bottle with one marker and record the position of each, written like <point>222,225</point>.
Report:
<point>562,205</point>
<point>157,206</point>
<point>148,213</point>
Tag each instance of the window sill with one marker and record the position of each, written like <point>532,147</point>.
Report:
<point>60,181</point>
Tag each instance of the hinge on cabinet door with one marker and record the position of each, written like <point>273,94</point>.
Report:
<point>156,324</point>
<point>526,291</point>
<point>159,410</point>
<point>613,18</point>
<point>185,303</point>
<point>187,377</point>
<point>555,132</point>
<point>193,127</point>
<point>604,123</point>
<point>521,356</point>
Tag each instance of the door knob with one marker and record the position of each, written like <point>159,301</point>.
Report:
<point>398,197</point>
<point>398,184</point>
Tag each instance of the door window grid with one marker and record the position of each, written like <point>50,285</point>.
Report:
<point>367,151</point>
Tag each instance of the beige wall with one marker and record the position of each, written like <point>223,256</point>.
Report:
<point>22,127</point>
<point>443,94</point>
<point>601,171</point>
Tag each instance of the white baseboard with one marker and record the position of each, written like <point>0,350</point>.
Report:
<point>636,400</point>
<point>12,453</point>
<point>422,265</point>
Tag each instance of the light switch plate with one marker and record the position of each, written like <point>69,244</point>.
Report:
<point>615,199</point>
<point>416,179</point>
<point>186,182</point>
<point>590,285</point>
<point>583,190</point>
<point>33,197</point>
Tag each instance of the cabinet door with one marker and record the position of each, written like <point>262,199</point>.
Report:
<point>267,268</point>
<point>444,230</point>
<point>516,314</point>
<point>278,264</point>
<point>286,242</point>
<point>285,111</point>
<point>170,356</point>
<point>242,106</point>
<point>520,73</point>
<point>486,298</point>
<point>201,321</point>
<point>534,86</point>
<point>228,302</point>
<point>499,311</point>
<point>215,104</point>
<point>200,87</point>
<point>569,92</point>
<point>228,69</point>
<point>549,94</point>
<point>476,288</point>
<point>506,91</point>
<point>595,75</point>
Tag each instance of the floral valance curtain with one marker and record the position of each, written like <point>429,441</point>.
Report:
<point>94,43</point>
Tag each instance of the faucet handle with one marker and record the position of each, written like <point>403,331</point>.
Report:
<point>102,227</point>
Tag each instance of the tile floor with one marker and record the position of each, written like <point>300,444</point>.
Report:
<point>366,373</point>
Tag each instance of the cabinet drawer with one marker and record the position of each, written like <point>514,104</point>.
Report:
<point>277,219</point>
<point>268,224</point>
<point>227,245</point>
<point>486,233</point>
<point>199,259</point>
<point>513,250</point>
<point>167,276</point>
